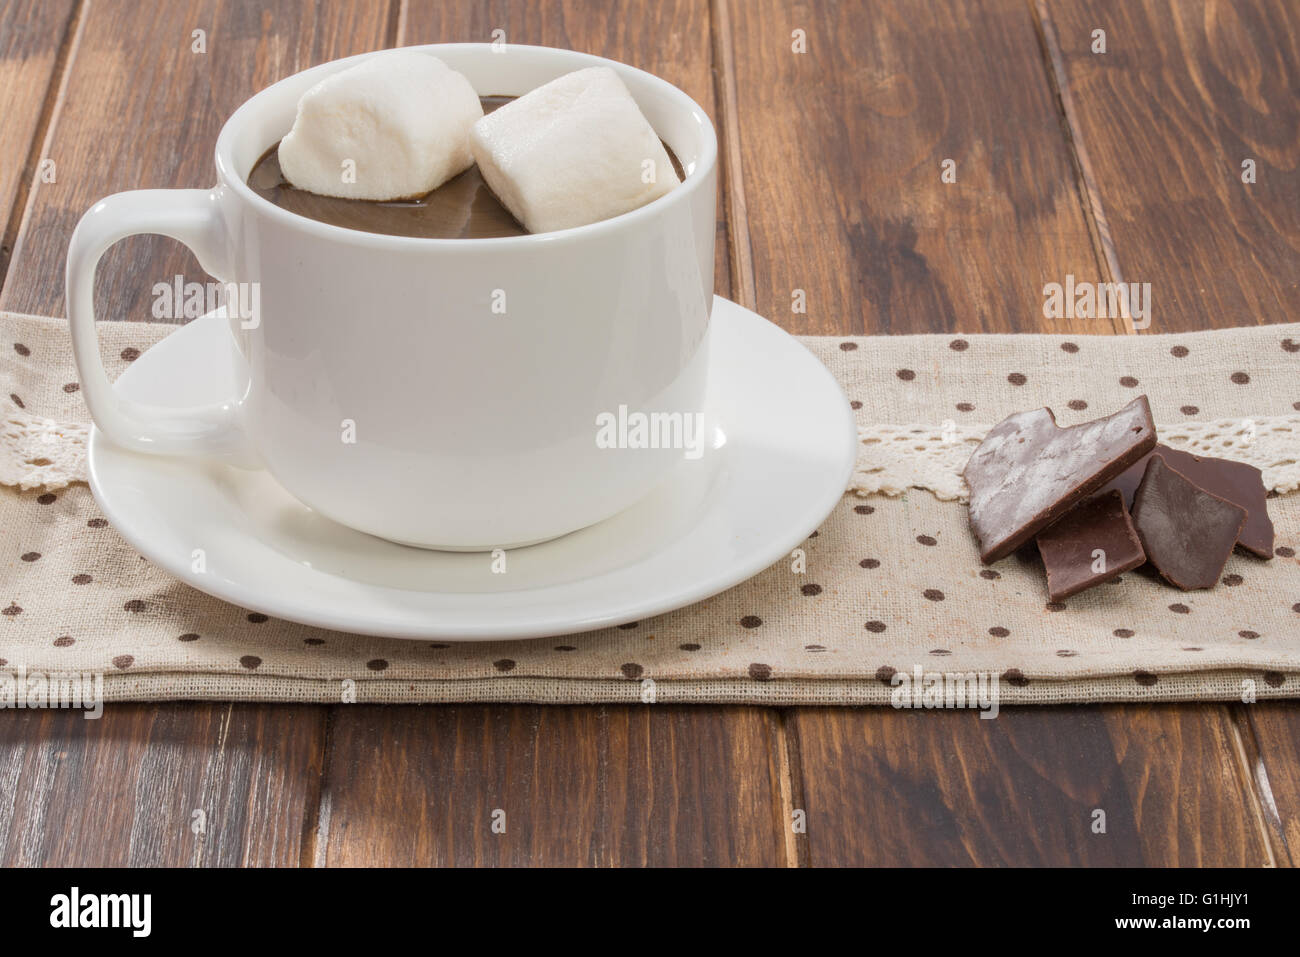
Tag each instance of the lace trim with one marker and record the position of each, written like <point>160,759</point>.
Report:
<point>894,458</point>
<point>35,451</point>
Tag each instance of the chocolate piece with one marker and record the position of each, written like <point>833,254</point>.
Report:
<point>1187,532</point>
<point>1069,547</point>
<point>1127,481</point>
<point>1237,482</point>
<point>1029,471</point>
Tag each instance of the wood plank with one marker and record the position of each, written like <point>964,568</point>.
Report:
<point>1274,730</point>
<point>142,109</point>
<point>842,151</point>
<point>653,785</point>
<point>34,38</point>
<point>945,788</point>
<point>124,790</point>
<point>579,785</point>
<point>1184,94</point>
<point>670,38</point>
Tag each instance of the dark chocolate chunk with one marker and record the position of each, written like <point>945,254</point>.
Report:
<point>1187,532</point>
<point>1237,482</point>
<point>1092,543</point>
<point>1127,481</point>
<point>1029,471</point>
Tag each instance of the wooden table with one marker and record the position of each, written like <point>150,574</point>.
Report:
<point>1123,164</point>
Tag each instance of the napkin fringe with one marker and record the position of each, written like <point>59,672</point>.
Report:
<point>37,452</point>
<point>895,458</point>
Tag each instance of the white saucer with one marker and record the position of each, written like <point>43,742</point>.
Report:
<point>784,448</point>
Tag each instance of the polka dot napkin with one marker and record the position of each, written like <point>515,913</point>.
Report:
<point>887,585</point>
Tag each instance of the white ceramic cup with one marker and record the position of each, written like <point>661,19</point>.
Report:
<point>377,382</point>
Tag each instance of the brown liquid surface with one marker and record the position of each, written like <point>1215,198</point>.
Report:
<point>461,208</point>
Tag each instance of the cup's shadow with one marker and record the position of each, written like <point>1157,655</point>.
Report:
<point>269,514</point>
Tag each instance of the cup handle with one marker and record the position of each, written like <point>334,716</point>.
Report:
<point>191,217</point>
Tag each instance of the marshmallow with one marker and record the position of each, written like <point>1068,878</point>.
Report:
<point>393,127</point>
<point>572,152</point>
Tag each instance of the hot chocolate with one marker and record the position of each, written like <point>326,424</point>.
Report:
<point>461,208</point>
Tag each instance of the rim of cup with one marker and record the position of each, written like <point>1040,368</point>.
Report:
<point>235,179</point>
